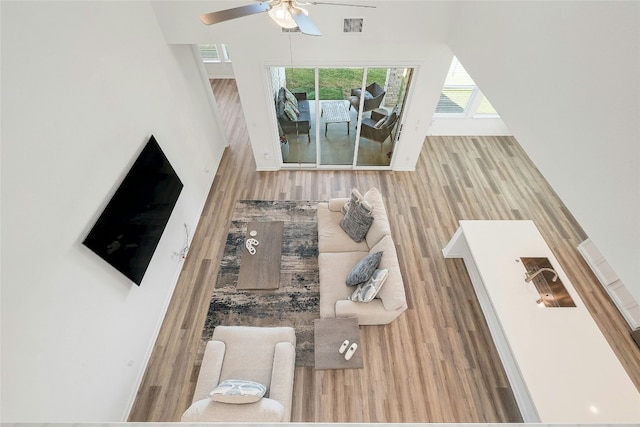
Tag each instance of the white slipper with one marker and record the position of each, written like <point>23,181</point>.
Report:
<point>351,350</point>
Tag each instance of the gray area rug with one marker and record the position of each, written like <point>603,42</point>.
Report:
<point>296,302</point>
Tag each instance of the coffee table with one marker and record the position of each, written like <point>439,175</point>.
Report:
<point>329,334</point>
<point>262,270</point>
<point>335,112</point>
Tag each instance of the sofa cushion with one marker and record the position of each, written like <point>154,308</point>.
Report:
<point>380,225</point>
<point>331,237</point>
<point>238,391</point>
<point>366,292</point>
<point>392,293</point>
<point>364,269</point>
<point>357,220</point>
<point>334,268</point>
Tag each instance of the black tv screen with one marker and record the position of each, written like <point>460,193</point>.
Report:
<point>128,231</point>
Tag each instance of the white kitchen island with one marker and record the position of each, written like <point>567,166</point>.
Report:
<point>560,366</point>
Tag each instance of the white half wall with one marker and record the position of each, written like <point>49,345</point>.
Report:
<point>565,78</point>
<point>219,70</point>
<point>84,85</point>
<point>453,126</point>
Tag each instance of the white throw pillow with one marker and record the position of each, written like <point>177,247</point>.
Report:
<point>238,391</point>
<point>368,291</point>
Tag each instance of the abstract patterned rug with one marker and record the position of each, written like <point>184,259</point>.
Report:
<point>296,302</point>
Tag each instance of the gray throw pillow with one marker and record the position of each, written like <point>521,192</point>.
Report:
<point>364,269</point>
<point>356,197</point>
<point>357,220</point>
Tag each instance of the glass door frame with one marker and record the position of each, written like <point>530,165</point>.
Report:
<point>396,135</point>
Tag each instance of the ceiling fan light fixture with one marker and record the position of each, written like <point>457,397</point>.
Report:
<point>280,14</point>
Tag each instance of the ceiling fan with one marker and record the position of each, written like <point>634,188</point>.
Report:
<point>286,13</point>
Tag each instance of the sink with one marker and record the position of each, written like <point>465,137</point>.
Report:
<point>552,294</point>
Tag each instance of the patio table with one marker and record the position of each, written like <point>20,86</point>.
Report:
<point>335,112</point>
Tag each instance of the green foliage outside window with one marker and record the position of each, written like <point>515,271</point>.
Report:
<point>336,82</point>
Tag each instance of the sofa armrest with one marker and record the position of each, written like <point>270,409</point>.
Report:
<point>210,370</point>
<point>300,96</point>
<point>207,411</point>
<point>335,205</point>
<point>282,373</point>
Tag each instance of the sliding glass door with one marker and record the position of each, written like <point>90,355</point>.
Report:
<point>381,122</point>
<point>294,90</point>
<point>339,117</point>
<point>338,120</point>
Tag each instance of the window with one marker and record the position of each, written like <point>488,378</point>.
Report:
<point>209,53</point>
<point>461,97</point>
<point>225,53</point>
<point>212,52</point>
<point>485,108</point>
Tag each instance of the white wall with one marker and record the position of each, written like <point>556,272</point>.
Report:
<point>256,42</point>
<point>565,77</point>
<point>84,85</point>
<point>219,70</point>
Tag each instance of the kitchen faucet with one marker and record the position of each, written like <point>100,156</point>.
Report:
<point>532,275</point>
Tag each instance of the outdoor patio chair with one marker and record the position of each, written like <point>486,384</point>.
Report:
<point>378,127</point>
<point>372,97</point>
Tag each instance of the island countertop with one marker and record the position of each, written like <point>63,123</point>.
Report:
<point>566,367</point>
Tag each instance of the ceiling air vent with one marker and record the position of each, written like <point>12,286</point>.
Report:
<point>353,25</point>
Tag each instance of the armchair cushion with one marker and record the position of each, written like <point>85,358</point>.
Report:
<point>207,410</point>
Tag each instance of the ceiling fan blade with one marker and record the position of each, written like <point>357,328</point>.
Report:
<point>316,3</point>
<point>304,23</point>
<point>236,12</point>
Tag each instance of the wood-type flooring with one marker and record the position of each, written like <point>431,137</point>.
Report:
<point>437,362</point>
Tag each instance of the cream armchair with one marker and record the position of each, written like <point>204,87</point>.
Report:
<point>260,354</point>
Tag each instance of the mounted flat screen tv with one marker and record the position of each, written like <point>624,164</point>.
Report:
<point>128,231</point>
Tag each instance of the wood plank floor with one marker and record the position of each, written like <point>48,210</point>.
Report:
<point>437,362</point>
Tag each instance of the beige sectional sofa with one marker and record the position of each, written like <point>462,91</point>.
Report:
<point>260,354</point>
<point>338,253</point>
